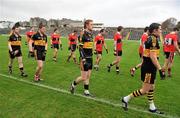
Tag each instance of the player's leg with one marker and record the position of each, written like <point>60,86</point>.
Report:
<point>166,61</point>
<point>55,54</point>
<point>69,57</point>
<point>112,64</point>
<point>21,66</point>
<point>150,96</point>
<point>11,58</point>
<point>98,59</point>
<point>132,70</point>
<point>86,83</point>
<point>31,48</point>
<point>170,64</point>
<point>146,87</point>
<point>78,80</point>
<point>116,62</point>
<point>39,69</point>
<point>148,75</point>
<point>74,57</point>
<point>118,58</point>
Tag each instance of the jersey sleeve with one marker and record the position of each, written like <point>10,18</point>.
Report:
<point>46,39</point>
<point>96,38</point>
<point>175,38</point>
<point>34,37</point>
<point>69,37</point>
<point>10,38</point>
<point>115,37</point>
<point>51,36</point>
<point>26,33</point>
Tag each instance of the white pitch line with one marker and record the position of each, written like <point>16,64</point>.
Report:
<point>80,95</point>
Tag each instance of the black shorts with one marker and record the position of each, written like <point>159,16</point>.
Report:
<point>56,46</point>
<point>169,55</point>
<point>19,54</point>
<point>87,65</point>
<point>148,72</point>
<point>73,47</point>
<point>33,44</point>
<point>140,55</point>
<point>118,53</point>
<point>40,54</point>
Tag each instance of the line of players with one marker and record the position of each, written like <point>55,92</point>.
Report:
<point>149,52</point>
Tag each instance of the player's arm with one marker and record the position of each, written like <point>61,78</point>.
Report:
<point>69,42</point>
<point>9,46</point>
<point>176,46</point>
<point>46,45</point>
<point>95,42</point>
<point>27,38</point>
<point>115,42</point>
<point>105,46</point>
<point>60,42</point>
<point>51,39</point>
<point>154,59</point>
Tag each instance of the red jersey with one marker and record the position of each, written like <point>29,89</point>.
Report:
<point>142,40</point>
<point>29,35</point>
<point>169,42</point>
<point>99,39</point>
<point>72,38</point>
<point>55,38</point>
<point>118,39</point>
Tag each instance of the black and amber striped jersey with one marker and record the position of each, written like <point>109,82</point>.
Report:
<point>15,41</point>
<point>87,41</point>
<point>151,45</point>
<point>40,41</point>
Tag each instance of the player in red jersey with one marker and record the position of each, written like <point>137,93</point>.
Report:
<point>170,46</point>
<point>141,48</point>
<point>30,42</point>
<point>98,46</point>
<point>73,41</point>
<point>117,49</point>
<point>55,42</point>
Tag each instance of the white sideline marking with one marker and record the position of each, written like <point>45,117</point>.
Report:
<point>79,95</point>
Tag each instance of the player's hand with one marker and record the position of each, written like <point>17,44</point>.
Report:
<point>84,61</point>
<point>61,47</point>
<point>115,52</point>
<point>95,52</point>
<point>12,53</point>
<point>44,53</point>
<point>179,51</point>
<point>107,51</point>
<point>162,74</point>
<point>69,48</point>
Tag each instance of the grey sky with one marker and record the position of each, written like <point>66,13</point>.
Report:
<point>135,13</point>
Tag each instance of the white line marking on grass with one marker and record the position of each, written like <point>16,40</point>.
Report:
<point>80,95</point>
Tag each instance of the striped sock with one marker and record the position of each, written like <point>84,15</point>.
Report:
<point>136,93</point>
<point>151,100</point>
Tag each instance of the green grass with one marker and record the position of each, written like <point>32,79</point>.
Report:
<point>19,99</point>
